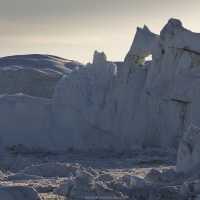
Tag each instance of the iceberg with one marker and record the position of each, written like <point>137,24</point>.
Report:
<point>145,104</point>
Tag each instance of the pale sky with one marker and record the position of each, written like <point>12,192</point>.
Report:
<point>73,29</point>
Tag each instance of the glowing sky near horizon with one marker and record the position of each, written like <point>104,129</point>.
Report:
<point>73,29</point>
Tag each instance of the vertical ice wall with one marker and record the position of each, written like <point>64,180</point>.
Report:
<point>145,104</point>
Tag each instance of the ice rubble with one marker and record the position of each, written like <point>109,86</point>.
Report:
<point>18,193</point>
<point>188,158</point>
<point>3,152</point>
<point>145,104</point>
<point>33,75</point>
<point>51,170</point>
<point>84,186</point>
<point>24,177</point>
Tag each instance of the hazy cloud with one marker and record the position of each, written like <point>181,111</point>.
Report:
<point>86,24</point>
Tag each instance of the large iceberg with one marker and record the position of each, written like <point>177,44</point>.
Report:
<point>33,75</point>
<point>143,104</point>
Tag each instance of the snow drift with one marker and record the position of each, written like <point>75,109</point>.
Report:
<point>145,104</point>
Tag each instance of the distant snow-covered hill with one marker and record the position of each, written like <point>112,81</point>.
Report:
<point>33,75</point>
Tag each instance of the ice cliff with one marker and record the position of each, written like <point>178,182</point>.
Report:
<point>145,104</point>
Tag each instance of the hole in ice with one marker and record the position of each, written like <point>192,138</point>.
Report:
<point>148,58</point>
